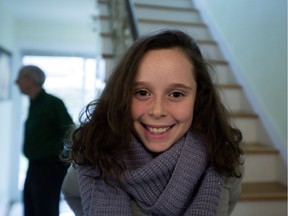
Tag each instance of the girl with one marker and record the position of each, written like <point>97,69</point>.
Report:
<point>158,141</point>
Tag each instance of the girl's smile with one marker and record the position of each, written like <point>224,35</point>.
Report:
<point>157,130</point>
<point>164,96</point>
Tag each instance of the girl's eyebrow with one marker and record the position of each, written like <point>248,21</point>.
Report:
<point>180,85</point>
<point>172,85</point>
<point>139,83</point>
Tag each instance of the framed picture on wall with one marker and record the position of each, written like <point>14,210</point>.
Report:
<point>5,74</point>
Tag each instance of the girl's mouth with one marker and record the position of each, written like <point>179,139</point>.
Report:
<point>157,130</point>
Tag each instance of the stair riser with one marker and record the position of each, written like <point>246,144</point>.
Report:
<point>211,51</point>
<point>252,130</point>
<point>107,45</point>
<point>109,67</point>
<point>167,14</point>
<point>172,3</point>
<point>222,74</point>
<point>104,25</point>
<point>234,99</point>
<point>104,9</point>
<point>261,168</point>
<point>264,208</point>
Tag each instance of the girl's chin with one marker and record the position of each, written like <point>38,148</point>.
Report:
<point>157,147</point>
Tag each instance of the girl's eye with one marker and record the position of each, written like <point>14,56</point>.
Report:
<point>142,93</point>
<point>176,94</point>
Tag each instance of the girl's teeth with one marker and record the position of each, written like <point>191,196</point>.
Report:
<point>158,130</point>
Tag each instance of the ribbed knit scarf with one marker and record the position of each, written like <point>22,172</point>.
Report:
<point>179,181</point>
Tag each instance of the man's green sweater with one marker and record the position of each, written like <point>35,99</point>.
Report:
<point>47,125</point>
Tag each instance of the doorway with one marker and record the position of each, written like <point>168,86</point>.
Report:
<point>76,80</point>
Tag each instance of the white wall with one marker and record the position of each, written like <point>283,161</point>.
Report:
<point>6,41</point>
<point>255,33</point>
<point>55,36</point>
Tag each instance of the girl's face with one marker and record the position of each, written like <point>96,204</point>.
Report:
<point>164,97</point>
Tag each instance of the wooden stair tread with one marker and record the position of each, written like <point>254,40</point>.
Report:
<point>206,41</point>
<point>168,22</point>
<point>257,191</point>
<point>218,62</point>
<point>257,148</point>
<point>229,86</point>
<point>165,7</point>
<point>243,114</point>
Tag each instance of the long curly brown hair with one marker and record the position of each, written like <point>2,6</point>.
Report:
<point>106,127</point>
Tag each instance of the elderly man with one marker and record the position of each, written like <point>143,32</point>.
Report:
<point>47,125</point>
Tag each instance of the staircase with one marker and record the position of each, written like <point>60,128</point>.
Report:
<point>264,190</point>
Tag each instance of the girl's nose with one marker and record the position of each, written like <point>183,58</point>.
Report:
<point>158,108</point>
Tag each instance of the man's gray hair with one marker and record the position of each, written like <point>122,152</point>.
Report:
<point>35,73</point>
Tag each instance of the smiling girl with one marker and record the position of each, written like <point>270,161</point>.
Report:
<point>158,141</point>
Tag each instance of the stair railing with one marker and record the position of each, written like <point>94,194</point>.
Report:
<point>132,19</point>
<point>124,26</point>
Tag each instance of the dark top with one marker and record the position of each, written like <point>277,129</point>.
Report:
<point>46,126</point>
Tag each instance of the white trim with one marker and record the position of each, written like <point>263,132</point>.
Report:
<point>276,139</point>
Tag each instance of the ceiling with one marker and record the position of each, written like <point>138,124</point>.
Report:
<point>59,10</point>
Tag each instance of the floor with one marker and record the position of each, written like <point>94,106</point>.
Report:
<point>17,209</point>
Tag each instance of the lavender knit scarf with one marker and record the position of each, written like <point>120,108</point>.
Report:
<point>179,182</point>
